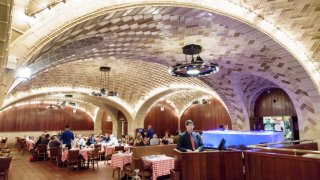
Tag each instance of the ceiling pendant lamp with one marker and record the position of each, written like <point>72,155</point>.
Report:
<point>196,67</point>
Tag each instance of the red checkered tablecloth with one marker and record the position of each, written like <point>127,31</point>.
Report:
<point>110,149</point>
<point>120,160</point>
<point>160,166</point>
<point>82,152</point>
<point>30,144</point>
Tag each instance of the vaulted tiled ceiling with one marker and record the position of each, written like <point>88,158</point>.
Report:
<point>131,79</point>
<point>140,43</point>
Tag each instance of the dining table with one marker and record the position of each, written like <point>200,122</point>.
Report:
<point>160,165</point>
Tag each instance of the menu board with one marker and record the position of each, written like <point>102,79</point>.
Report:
<point>278,124</point>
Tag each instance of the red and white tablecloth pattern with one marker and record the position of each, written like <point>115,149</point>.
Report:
<point>30,144</point>
<point>82,152</point>
<point>119,160</point>
<point>110,149</point>
<point>160,166</point>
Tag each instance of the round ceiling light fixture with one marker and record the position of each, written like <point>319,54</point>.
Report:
<point>196,67</point>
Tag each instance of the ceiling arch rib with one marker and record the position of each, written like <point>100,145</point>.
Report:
<point>181,98</point>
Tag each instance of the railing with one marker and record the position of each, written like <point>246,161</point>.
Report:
<point>294,151</point>
<point>286,142</point>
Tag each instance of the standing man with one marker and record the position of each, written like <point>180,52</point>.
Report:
<point>150,132</point>
<point>67,136</point>
<point>189,141</point>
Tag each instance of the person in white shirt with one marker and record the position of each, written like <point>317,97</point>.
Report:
<point>155,140</point>
<point>81,142</point>
<point>113,141</point>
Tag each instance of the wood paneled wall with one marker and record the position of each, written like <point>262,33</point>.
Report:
<point>106,123</point>
<point>38,118</point>
<point>206,116</point>
<point>260,165</point>
<point>274,102</point>
<point>162,121</point>
<point>223,165</point>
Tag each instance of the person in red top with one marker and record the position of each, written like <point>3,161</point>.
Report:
<point>190,141</point>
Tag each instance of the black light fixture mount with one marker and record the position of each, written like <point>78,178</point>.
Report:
<point>104,83</point>
<point>196,67</point>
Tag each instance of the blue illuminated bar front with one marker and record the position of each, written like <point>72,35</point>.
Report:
<point>211,139</point>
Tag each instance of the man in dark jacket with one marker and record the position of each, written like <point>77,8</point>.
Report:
<point>190,141</point>
<point>67,136</point>
<point>150,132</point>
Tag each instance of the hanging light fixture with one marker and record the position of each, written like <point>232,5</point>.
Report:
<point>104,83</point>
<point>196,67</point>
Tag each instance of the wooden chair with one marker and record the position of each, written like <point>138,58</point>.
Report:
<point>107,158</point>
<point>3,146</point>
<point>42,152</point>
<point>54,155</point>
<point>119,149</point>
<point>23,146</point>
<point>73,159</point>
<point>94,158</point>
<point>17,142</point>
<point>98,146</point>
<point>4,166</point>
<point>4,140</point>
<point>5,151</point>
<point>129,170</point>
<point>20,144</point>
<point>4,155</point>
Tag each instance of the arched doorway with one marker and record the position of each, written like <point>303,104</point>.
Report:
<point>274,103</point>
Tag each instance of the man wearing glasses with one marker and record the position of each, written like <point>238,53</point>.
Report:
<point>190,141</point>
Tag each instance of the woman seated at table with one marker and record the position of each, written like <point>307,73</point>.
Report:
<point>45,140</point>
<point>54,142</point>
<point>146,141</point>
<point>128,140</point>
<point>98,139</point>
<point>81,142</point>
<point>166,135</point>
<point>91,140</point>
<point>38,141</point>
<point>138,141</point>
<point>170,140</point>
<point>155,140</point>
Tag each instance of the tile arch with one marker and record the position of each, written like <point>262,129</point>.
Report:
<point>210,7</point>
<point>102,103</point>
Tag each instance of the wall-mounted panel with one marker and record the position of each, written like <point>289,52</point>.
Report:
<point>274,102</point>
<point>162,117</point>
<point>206,116</point>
